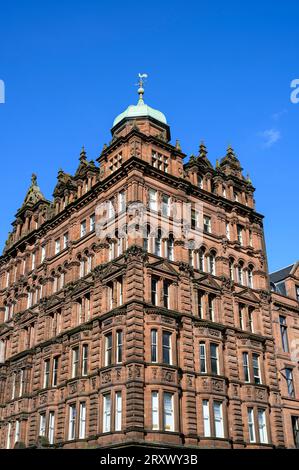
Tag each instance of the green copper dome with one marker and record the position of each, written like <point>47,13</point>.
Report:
<point>141,109</point>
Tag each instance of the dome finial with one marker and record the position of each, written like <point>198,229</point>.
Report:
<point>142,78</point>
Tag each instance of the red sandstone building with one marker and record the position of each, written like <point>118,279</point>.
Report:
<point>136,306</point>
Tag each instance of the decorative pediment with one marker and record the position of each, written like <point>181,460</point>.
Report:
<point>206,280</point>
<point>34,194</point>
<point>104,272</point>
<point>4,328</point>
<point>247,294</point>
<point>85,166</point>
<point>164,267</point>
<point>81,285</point>
<point>27,316</point>
<point>52,301</point>
<point>65,181</point>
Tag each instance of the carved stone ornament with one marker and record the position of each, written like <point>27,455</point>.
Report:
<point>135,252</point>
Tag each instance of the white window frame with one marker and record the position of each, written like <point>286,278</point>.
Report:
<point>92,222</point>
<point>65,240</point>
<point>262,425</point>
<point>57,246</point>
<point>82,420</point>
<point>218,419</point>
<point>153,193</point>
<point>206,418</point>
<point>118,411</point>
<point>168,412</point>
<point>84,360</point>
<point>51,427</point>
<point>207,222</point>
<point>251,426</point>
<point>83,228</point>
<point>202,357</point>
<point>75,361</point>
<point>72,422</point>
<point>17,431</point>
<point>106,413</point>
<point>155,410</point>
<point>42,424</point>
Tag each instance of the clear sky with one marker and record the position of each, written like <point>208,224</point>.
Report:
<point>220,71</point>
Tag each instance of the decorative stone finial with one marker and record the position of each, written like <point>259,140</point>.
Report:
<point>82,154</point>
<point>142,78</point>
<point>202,149</point>
<point>178,145</point>
<point>33,179</point>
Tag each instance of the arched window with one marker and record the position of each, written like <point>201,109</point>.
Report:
<point>231,269</point>
<point>240,272</point>
<point>201,259</point>
<point>169,246</point>
<point>250,276</point>
<point>212,262</point>
<point>158,241</point>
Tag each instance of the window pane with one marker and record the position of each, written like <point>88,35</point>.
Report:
<point>214,358</point>
<point>202,349</point>
<point>251,431</point>
<point>218,418</point>
<point>155,410</point>
<point>206,418</point>
<point>166,347</point>
<point>256,368</point>
<point>118,411</point>
<point>154,355</point>
<point>262,426</point>
<point>107,413</point>
<point>168,412</point>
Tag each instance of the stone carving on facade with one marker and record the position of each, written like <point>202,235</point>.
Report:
<point>134,372</point>
<point>217,385</point>
<point>106,377</point>
<point>43,398</point>
<point>260,394</point>
<point>73,387</point>
<point>227,283</point>
<point>168,375</point>
<point>205,384</point>
<point>135,252</point>
<point>93,383</point>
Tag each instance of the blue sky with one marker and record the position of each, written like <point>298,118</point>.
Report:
<point>220,71</point>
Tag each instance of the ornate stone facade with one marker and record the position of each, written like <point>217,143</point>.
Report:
<point>139,335</point>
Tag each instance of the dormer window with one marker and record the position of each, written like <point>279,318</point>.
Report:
<point>159,161</point>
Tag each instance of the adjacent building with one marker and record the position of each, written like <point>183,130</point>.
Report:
<point>285,303</point>
<point>135,307</point>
